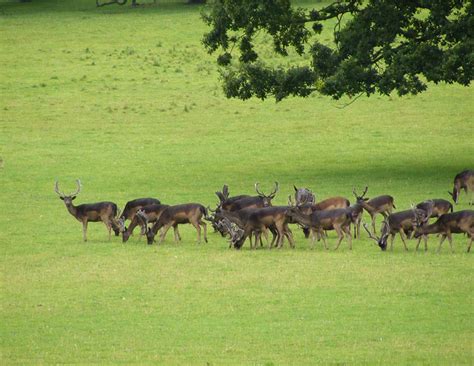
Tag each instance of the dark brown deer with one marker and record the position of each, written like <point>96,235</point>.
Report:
<point>465,181</point>
<point>317,221</point>
<point>131,207</point>
<point>189,213</point>
<point>258,221</point>
<point>399,223</point>
<point>148,214</point>
<point>90,212</point>
<point>447,224</point>
<point>225,200</point>
<point>262,200</point>
<point>327,204</point>
<point>436,206</point>
<point>378,205</point>
<point>304,195</point>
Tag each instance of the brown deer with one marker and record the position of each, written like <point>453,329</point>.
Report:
<point>257,221</point>
<point>131,207</point>
<point>399,223</point>
<point>225,200</point>
<point>90,212</point>
<point>378,205</point>
<point>456,222</point>
<point>142,217</point>
<point>319,220</point>
<point>436,206</point>
<point>262,200</point>
<point>327,204</point>
<point>465,181</point>
<point>189,213</point>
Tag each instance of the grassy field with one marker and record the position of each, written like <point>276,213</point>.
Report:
<point>128,101</point>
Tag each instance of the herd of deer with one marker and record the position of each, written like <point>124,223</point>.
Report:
<point>249,217</point>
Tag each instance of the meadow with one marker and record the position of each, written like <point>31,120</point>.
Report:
<point>128,101</point>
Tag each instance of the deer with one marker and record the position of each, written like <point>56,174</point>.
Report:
<point>399,223</point>
<point>436,206</point>
<point>465,181</point>
<point>106,211</point>
<point>188,213</point>
<point>262,200</point>
<point>383,205</point>
<point>327,204</point>
<point>334,219</point>
<point>131,207</point>
<point>225,200</point>
<point>455,222</point>
<point>304,195</point>
<point>257,221</point>
<point>142,217</point>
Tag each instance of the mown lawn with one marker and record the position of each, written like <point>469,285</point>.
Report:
<point>128,101</point>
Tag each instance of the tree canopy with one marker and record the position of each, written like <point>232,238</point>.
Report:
<point>379,46</point>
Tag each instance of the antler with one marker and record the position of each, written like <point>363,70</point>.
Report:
<point>56,189</point>
<point>275,190</point>
<point>256,189</point>
<point>365,191</point>
<point>370,234</point>
<point>78,182</point>
<point>225,191</point>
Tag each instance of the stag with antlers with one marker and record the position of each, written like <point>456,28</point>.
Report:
<point>106,212</point>
<point>378,205</point>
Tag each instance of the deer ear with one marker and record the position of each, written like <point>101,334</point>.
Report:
<point>450,193</point>
<point>62,198</point>
<point>296,189</point>
<point>366,199</point>
<point>73,198</point>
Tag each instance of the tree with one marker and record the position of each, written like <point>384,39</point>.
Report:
<point>379,46</point>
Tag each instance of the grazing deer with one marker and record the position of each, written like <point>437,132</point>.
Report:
<point>456,222</point>
<point>436,206</point>
<point>465,181</point>
<point>142,217</point>
<point>336,219</point>
<point>399,223</point>
<point>257,221</point>
<point>90,212</point>
<point>378,205</point>
<point>131,207</point>
<point>304,195</point>
<point>189,213</point>
<point>231,229</point>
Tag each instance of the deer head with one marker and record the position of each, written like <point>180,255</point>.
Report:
<point>68,198</point>
<point>267,199</point>
<point>382,240</point>
<point>360,198</point>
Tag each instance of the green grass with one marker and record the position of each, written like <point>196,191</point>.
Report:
<point>128,101</point>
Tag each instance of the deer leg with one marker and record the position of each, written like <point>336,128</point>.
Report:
<point>204,225</point>
<point>443,237</point>
<point>163,232</point>
<point>418,243</point>
<point>313,237</point>
<point>450,240</point>
<point>198,229</point>
<point>321,235</point>
<point>470,242</point>
<point>289,235</point>
<point>425,237</point>
<point>108,225</point>
<point>392,238</point>
<point>339,234</point>
<point>373,224</point>
<point>403,239</point>
<point>347,230</point>
<point>84,230</point>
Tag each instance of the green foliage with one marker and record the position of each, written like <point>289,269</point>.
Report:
<point>132,126</point>
<point>378,46</point>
